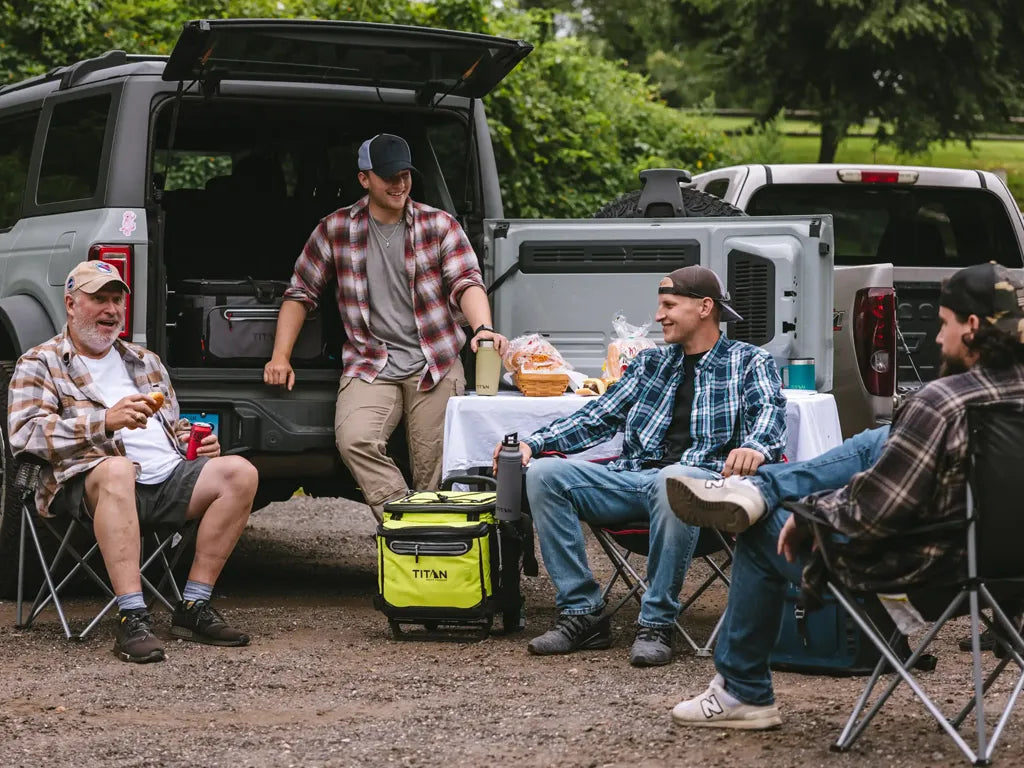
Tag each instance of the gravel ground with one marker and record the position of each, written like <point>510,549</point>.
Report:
<point>323,685</point>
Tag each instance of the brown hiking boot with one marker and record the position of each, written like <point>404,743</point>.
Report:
<point>199,621</point>
<point>134,639</point>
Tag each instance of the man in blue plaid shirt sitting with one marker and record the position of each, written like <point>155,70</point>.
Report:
<point>701,406</point>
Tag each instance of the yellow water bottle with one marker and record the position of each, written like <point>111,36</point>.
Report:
<point>488,368</point>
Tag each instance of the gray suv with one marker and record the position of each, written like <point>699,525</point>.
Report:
<point>200,175</point>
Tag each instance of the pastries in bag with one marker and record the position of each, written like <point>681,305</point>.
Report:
<point>533,353</point>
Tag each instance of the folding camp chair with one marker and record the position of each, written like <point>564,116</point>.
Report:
<point>155,547</point>
<point>993,579</point>
<point>621,542</point>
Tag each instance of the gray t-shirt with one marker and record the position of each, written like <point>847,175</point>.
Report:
<point>392,319</point>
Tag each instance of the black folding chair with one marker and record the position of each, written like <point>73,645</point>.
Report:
<point>621,542</point>
<point>55,581</point>
<point>993,579</point>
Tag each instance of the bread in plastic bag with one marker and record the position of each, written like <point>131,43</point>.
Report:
<point>534,353</point>
<point>627,343</point>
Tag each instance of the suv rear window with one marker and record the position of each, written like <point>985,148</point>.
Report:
<point>74,148</point>
<point>907,226</point>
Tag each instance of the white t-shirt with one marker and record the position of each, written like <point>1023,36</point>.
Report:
<point>150,448</point>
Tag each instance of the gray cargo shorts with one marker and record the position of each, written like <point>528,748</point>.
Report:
<point>161,507</point>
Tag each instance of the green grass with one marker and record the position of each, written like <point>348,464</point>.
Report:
<point>987,155</point>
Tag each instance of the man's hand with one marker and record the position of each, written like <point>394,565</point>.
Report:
<point>500,342</point>
<point>742,461</point>
<point>279,372</point>
<point>791,540</point>
<point>525,451</point>
<point>129,412</point>
<point>210,446</point>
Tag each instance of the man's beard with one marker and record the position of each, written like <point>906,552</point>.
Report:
<point>952,365</point>
<point>92,336</point>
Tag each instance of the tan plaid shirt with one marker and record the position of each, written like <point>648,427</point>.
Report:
<point>56,411</point>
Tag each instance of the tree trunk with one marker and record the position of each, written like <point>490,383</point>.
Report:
<point>830,137</point>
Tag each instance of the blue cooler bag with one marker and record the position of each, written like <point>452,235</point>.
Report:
<point>826,641</point>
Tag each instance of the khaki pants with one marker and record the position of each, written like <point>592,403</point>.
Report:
<point>365,417</point>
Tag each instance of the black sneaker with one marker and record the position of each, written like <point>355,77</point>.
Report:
<point>591,631</point>
<point>652,647</point>
<point>199,621</point>
<point>987,639</point>
<point>134,640</point>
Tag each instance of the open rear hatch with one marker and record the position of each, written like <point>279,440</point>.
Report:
<point>429,62</point>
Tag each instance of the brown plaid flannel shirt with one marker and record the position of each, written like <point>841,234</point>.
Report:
<point>439,261</point>
<point>55,411</point>
<point>919,480</point>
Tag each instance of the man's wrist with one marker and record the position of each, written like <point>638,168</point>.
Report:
<point>483,327</point>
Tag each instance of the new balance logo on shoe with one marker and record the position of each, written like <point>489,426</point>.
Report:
<point>720,483</point>
<point>710,707</point>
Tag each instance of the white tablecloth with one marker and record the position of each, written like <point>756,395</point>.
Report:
<point>473,425</point>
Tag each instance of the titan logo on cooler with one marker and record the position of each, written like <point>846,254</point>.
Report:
<point>429,574</point>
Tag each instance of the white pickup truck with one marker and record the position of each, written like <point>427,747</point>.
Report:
<point>899,231</point>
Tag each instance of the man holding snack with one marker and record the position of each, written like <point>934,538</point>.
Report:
<point>701,406</point>
<point>102,414</point>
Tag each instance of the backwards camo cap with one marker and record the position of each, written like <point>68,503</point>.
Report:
<point>992,292</point>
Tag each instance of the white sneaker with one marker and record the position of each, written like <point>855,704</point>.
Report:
<point>732,504</point>
<point>717,709</point>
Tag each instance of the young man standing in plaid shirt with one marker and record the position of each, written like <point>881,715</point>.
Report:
<point>407,279</point>
<point>701,406</point>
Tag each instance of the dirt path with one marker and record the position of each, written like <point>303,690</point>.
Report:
<point>322,685</point>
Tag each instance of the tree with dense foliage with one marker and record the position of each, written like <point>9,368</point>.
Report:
<point>930,70</point>
<point>571,129</point>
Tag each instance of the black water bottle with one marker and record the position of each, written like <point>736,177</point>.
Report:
<point>510,479</point>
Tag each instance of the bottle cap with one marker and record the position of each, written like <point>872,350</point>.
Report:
<point>486,343</point>
<point>511,440</point>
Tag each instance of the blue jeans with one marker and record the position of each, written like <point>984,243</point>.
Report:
<point>757,592</point>
<point>561,491</point>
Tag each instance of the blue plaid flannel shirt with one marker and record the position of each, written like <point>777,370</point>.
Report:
<point>738,403</point>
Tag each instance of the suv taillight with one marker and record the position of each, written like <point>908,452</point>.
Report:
<point>874,337</point>
<point>120,258</point>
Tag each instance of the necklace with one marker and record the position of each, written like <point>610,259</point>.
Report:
<point>384,240</point>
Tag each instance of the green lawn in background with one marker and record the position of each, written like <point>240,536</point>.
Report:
<point>985,155</point>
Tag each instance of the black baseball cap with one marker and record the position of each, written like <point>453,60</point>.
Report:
<point>701,283</point>
<point>386,155</point>
<point>992,292</point>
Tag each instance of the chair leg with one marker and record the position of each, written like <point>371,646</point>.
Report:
<point>46,576</point>
<point>851,732</point>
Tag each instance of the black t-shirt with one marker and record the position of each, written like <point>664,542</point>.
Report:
<point>677,436</point>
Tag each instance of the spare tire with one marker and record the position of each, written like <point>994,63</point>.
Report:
<point>695,203</point>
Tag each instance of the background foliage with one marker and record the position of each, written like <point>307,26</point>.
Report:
<point>571,128</point>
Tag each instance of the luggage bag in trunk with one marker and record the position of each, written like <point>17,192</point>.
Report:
<point>232,323</point>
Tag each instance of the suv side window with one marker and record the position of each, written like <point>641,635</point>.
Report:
<point>70,167</point>
<point>16,136</point>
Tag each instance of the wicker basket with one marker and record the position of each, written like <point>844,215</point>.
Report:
<point>541,384</point>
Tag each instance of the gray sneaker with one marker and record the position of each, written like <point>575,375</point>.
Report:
<point>591,631</point>
<point>652,647</point>
<point>731,504</point>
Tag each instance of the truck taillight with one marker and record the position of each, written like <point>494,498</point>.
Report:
<point>120,258</point>
<point>854,176</point>
<point>874,337</point>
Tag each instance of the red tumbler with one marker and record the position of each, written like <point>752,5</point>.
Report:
<point>200,429</point>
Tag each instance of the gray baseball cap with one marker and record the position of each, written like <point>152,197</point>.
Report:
<point>386,155</point>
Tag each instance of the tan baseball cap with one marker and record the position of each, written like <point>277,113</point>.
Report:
<point>90,276</point>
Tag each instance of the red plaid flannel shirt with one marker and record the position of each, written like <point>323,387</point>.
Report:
<point>440,263</point>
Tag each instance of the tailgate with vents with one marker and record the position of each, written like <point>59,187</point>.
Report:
<point>568,279</point>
